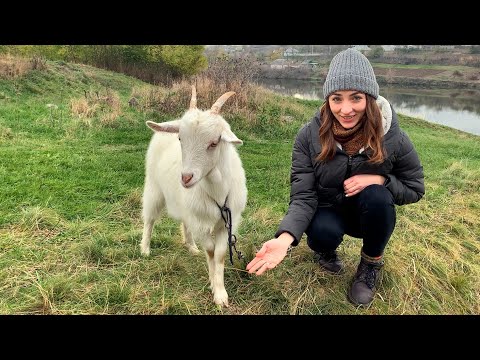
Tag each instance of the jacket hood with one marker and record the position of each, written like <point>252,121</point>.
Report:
<point>386,111</point>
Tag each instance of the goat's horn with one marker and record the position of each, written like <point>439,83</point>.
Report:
<point>221,100</point>
<point>193,102</point>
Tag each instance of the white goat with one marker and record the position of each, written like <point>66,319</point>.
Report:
<point>193,174</point>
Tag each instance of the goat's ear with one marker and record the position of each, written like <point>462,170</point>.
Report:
<point>169,126</point>
<point>230,137</point>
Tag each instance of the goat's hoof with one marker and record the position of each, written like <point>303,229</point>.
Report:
<point>144,251</point>
<point>193,249</point>
<point>221,298</point>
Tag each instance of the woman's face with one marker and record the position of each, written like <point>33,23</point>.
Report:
<point>348,107</point>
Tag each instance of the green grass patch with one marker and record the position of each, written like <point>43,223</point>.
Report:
<point>70,213</point>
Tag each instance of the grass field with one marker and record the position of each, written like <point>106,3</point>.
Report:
<point>72,165</point>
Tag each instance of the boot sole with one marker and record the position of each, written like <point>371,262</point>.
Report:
<point>350,298</point>
<point>339,272</point>
<point>332,272</point>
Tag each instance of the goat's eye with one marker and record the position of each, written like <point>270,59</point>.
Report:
<point>212,145</point>
<point>179,139</point>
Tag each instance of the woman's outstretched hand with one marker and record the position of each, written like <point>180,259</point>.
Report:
<point>270,255</point>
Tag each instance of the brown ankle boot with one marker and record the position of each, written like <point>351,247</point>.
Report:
<point>365,282</point>
<point>329,261</point>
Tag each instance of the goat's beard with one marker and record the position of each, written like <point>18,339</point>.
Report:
<point>215,176</point>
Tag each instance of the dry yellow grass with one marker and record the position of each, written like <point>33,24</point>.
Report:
<point>106,106</point>
<point>12,67</point>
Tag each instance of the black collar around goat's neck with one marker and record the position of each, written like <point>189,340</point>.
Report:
<point>232,239</point>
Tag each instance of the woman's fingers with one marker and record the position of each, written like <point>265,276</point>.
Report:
<point>258,257</point>
<point>260,267</point>
<point>254,263</point>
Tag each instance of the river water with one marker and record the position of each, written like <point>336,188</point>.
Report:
<point>456,108</point>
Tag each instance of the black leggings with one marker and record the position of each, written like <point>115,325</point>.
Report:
<point>370,215</point>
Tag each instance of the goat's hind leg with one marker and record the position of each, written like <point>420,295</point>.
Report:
<point>153,203</point>
<point>188,239</point>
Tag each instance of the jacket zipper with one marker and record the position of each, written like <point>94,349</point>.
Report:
<point>349,167</point>
<point>347,174</point>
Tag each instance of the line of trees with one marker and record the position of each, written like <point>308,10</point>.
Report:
<point>152,63</point>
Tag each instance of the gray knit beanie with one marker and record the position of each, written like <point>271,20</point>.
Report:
<point>350,70</point>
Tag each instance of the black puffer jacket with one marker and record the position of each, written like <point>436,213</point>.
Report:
<point>315,184</point>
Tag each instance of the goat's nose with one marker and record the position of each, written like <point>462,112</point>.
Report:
<point>186,178</point>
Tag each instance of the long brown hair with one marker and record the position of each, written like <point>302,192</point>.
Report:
<point>372,131</point>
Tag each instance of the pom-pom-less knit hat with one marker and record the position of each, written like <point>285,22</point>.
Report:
<point>350,70</point>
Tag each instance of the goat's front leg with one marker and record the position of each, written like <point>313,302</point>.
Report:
<point>220,296</point>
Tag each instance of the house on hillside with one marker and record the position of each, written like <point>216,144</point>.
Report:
<point>230,49</point>
<point>388,48</point>
<point>410,47</point>
<point>361,48</point>
<point>310,64</point>
<point>279,64</point>
<point>290,52</point>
